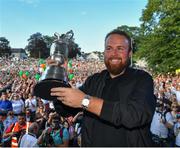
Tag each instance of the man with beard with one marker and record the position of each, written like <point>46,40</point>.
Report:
<point>118,103</point>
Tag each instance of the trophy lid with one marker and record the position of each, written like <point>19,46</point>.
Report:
<point>43,90</point>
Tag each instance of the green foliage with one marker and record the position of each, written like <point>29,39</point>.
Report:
<point>4,47</point>
<point>48,40</point>
<point>157,39</point>
<point>160,43</point>
<point>37,47</point>
<point>134,33</point>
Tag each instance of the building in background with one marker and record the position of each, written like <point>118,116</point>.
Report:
<point>18,53</point>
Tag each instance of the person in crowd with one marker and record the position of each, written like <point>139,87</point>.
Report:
<point>11,118</point>
<point>176,90</point>
<point>31,103</point>
<point>29,139</point>
<point>2,118</point>
<point>9,93</point>
<point>17,104</point>
<point>77,121</point>
<point>177,130</point>
<point>118,102</point>
<point>29,116</point>
<point>45,104</point>
<point>174,109</point>
<point>161,124</point>
<point>173,99</point>
<point>65,124</point>
<point>52,114</point>
<point>41,117</point>
<point>14,131</point>
<point>70,127</point>
<point>55,135</point>
<point>5,104</point>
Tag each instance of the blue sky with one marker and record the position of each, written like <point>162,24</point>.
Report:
<point>90,20</point>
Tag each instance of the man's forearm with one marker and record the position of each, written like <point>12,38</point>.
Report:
<point>95,106</point>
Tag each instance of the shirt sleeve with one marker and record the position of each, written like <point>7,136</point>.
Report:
<point>34,102</point>
<point>26,103</point>
<point>9,129</point>
<point>169,118</point>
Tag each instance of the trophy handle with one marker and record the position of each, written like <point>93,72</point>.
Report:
<point>57,35</point>
<point>70,34</point>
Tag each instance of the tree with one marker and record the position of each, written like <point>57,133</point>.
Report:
<point>134,33</point>
<point>48,40</point>
<point>4,47</point>
<point>160,31</point>
<point>37,47</point>
<point>74,50</point>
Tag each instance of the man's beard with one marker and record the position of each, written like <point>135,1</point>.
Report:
<point>116,69</point>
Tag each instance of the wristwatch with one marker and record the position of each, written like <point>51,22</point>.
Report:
<point>85,102</point>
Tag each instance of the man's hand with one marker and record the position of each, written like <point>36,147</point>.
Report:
<point>69,96</point>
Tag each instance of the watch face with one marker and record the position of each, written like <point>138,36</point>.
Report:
<point>85,102</point>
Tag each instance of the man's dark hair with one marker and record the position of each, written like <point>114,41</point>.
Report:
<point>22,114</point>
<point>122,33</point>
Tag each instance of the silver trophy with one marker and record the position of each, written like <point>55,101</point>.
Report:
<point>56,75</point>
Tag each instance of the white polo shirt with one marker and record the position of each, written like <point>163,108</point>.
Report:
<point>158,128</point>
<point>28,141</point>
<point>176,129</point>
<point>32,104</point>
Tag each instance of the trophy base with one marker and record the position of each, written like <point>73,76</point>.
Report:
<point>43,90</point>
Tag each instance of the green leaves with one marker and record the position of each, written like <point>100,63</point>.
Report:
<point>160,44</point>
<point>4,46</point>
<point>37,46</point>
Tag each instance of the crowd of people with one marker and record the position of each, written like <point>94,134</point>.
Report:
<point>165,126</point>
<point>24,116</point>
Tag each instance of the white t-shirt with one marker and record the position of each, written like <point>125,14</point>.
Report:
<point>28,141</point>
<point>32,104</point>
<point>158,128</point>
<point>45,101</point>
<point>18,106</point>
<point>51,105</point>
